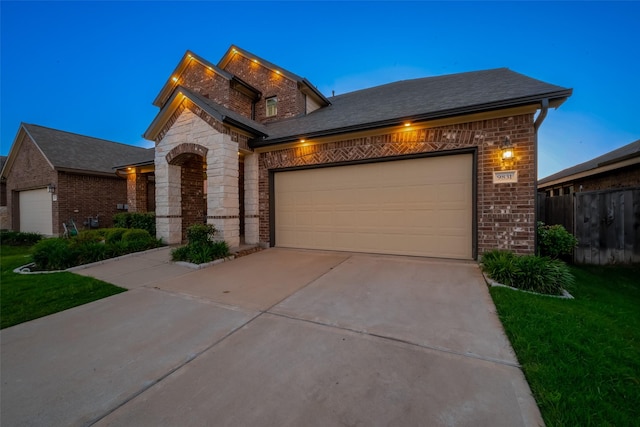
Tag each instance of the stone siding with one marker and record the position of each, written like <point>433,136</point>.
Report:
<point>189,133</point>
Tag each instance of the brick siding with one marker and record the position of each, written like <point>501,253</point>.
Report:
<point>506,213</point>
<point>628,177</point>
<point>291,102</point>
<point>83,196</point>
<point>212,85</point>
<point>194,206</point>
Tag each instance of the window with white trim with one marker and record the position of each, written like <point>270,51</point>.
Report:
<point>272,106</point>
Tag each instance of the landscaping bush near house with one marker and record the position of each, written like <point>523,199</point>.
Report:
<point>90,246</point>
<point>143,221</point>
<point>527,272</point>
<point>54,254</point>
<point>19,238</point>
<point>555,241</point>
<point>201,246</point>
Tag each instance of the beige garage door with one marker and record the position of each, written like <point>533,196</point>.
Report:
<point>35,211</point>
<point>409,207</point>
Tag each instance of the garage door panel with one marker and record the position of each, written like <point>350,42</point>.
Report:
<point>36,211</point>
<point>413,207</point>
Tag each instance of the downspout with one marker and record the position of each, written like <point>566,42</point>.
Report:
<point>544,107</point>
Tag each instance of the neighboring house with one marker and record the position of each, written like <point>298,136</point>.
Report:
<point>441,166</point>
<point>599,202</point>
<point>4,212</point>
<point>616,169</point>
<point>54,176</point>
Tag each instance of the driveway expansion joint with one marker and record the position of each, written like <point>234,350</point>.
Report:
<point>402,341</point>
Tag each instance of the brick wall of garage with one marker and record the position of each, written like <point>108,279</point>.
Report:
<point>81,196</point>
<point>505,212</point>
<point>30,170</point>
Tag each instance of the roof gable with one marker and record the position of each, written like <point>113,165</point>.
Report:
<point>304,85</point>
<point>174,79</point>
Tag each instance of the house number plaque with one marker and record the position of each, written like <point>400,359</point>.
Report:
<point>505,177</point>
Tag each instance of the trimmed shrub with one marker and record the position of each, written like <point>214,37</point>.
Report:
<point>114,235</point>
<point>54,254</point>
<point>200,234</point>
<point>144,221</point>
<point>89,252</point>
<point>220,249</point>
<point>555,241</point>
<point>19,238</point>
<point>201,248</point>
<point>136,240</point>
<point>180,254</point>
<point>91,246</point>
<point>89,236</point>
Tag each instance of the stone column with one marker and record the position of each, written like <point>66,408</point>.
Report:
<point>168,202</point>
<point>251,213</point>
<point>222,189</point>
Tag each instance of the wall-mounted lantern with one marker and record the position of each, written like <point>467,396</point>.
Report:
<point>51,188</point>
<point>507,149</point>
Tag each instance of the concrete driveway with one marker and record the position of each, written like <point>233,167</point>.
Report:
<point>278,338</point>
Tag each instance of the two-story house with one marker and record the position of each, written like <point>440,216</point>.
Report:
<point>440,166</point>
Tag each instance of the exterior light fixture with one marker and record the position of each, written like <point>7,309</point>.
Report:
<point>175,79</point>
<point>51,188</point>
<point>407,124</point>
<point>507,149</point>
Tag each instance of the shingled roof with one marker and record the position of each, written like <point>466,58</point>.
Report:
<point>415,100</point>
<point>212,108</point>
<point>627,152</point>
<point>72,152</point>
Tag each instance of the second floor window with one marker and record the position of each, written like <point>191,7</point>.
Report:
<point>272,106</point>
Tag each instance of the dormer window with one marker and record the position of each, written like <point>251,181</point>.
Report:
<point>272,106</point>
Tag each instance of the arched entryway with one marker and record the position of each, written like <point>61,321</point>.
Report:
<point>186,197</point>
<point>193,197</point>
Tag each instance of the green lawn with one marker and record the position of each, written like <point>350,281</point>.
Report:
<point>29,296</point>
<point>582,356</point>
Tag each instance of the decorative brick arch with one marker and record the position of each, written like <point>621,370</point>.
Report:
<point>187,148</point>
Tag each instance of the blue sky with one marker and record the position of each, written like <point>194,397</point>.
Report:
<point>95,67</point>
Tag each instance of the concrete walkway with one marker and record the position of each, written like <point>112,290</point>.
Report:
<point>280,337</point>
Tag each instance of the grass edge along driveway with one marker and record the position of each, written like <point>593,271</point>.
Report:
<point>25,297</point>
<point>581,357</point>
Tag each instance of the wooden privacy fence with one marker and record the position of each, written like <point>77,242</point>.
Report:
<point>606,224</point>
